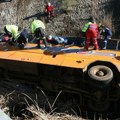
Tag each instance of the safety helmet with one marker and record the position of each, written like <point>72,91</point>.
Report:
<point>49,4</point>
<point>92,19</point>
<point>6,38</point>
<point>50,37</point>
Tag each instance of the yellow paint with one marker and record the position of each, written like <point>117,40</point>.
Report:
<point>73,60</point>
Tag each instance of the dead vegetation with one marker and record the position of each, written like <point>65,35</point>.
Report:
<point>29,108</point>
<point>27,102</point>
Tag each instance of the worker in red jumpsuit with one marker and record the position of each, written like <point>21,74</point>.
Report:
<point>91,35</point>
<point>49,10</point>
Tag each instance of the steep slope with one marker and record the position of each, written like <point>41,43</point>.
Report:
<point>21,12</point>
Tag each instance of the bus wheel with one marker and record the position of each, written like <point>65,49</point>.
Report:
<point>100,74</point>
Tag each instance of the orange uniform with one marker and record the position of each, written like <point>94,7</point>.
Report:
<point>91,34</point>
<point>49,9</point>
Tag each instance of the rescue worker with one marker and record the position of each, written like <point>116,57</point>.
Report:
<point>86,27</point>
<point>56,40</point>
<point>107,33</point>
<point>91,34</point>
<point>49,10</point>
<point>38,29</point>
<point>11,31</point>
<point>23,38</point>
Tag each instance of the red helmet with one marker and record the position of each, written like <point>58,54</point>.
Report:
<point>6,38</point>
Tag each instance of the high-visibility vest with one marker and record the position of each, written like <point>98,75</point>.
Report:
<point>86,27</point>
<point>13,29</point>
<point>36,24</point>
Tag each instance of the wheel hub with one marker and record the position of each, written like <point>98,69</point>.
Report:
<point>100,73</point>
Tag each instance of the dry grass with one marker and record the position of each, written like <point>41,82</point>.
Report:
<point>3,104</point>
<point>40,114</point>
<point>107,21</point>
<point>35,110</point>
<point>67,5</point>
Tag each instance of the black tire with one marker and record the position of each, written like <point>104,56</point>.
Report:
<point>100,74</point>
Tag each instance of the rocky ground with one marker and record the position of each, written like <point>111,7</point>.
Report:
<point>21,13</point>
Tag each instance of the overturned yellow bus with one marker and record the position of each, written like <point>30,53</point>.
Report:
<point>93,74</point>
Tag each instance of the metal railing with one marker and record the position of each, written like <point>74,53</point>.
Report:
<point>113,44</point>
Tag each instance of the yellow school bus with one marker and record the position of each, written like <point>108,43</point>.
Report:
<point>92,74</point>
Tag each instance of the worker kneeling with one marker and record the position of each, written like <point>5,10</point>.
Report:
<point>11,31</point>
<point>14,38</point>
<point>22,39</point>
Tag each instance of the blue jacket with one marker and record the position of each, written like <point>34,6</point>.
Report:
<point>24,33</point>
<point>106,32</point>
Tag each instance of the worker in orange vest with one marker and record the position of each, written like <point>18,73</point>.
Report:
<point>91,34</point>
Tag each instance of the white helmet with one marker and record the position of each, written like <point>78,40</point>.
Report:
<point>49,4</point>
<point>50,37</point>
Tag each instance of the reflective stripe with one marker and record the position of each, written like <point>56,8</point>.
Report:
<point>105,41</point>
<point>94,42</point>
<point>91,27</point>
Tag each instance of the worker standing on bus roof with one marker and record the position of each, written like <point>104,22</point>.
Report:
<point>11,31</point>
<point>85,29</point>
<point>107,33</point>
<point>91,34</point>
<point>38,28</point>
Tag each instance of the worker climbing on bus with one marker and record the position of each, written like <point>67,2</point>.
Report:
<point>49,11</point>
<point>91,35</point>
<point>38,29</point>
<point>107,33</point>
<point>11,31</point>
